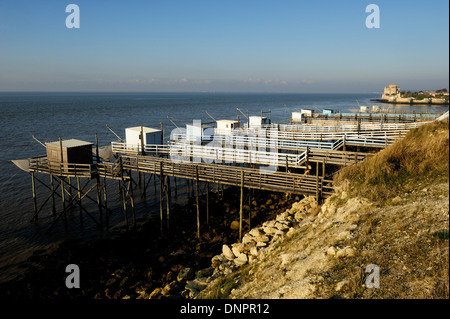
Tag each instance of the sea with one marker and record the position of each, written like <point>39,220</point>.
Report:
<point>28,119</point>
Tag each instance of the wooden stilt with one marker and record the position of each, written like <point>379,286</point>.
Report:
<point>249,208</point>
<point>52,189</point>
<point>124,198</point>
<point>131,194</point>
<point>197,201</point>
<point>99,199</point>
<point>63,197</point>
<point>33,186</point>
<point>207,203</point>
<point>241,205</point>
<point>168,197</point>
<point>161,190</point>
<point>79,199</point>
<point>105,199</point>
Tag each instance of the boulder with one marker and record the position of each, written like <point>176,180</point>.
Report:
<point>268,231</point>
<point>241,260</point>
<point>331,251</point>
<point>185,274</point>
<point>256,232</point>
<point>234,225</point>
<point>227,252</point>
<point>262,239</point>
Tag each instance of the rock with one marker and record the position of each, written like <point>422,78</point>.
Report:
<point>268,231</point>
<point>227,252</point>
<point>344,195</point>
<point>204,272</point>
<point>234,225</point>
<point>396,200</point>
<point>247,239</point>
<point>331,251</point>
<point>261,244</point>
<point>282,216</point>
<point>344,235</point>
<point>262,239</point>
<point>341,284</point>
<point>281,226</point>
<point>254,251</point>
<point>241,260</point>
<point>345,252</point>
<point>197,284</point>
<point>291,232</point>
<point>168,288</point>
<point>314,211</point>
<point>237,249</point>
<point>299,216</point>
<point>155,293</point>
<point>255,232</point>
<point>185,274</point>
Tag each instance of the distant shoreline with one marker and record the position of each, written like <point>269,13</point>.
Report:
<point>412,102</point>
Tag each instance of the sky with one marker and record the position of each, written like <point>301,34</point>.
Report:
<point>278,46</point>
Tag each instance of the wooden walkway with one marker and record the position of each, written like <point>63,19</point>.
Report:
<point>264,179</point>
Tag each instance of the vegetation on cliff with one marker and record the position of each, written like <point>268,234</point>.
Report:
<point>392,211</point>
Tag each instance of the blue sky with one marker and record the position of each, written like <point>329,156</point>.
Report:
<point>226,46</point>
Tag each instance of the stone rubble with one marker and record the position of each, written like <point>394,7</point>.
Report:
<point>252,246</point>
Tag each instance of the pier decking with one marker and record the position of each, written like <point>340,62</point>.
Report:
<point>296,159</point>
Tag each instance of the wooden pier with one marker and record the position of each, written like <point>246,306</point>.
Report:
<point>301,161</point>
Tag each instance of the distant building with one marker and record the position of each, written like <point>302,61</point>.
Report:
<point>391,91</point>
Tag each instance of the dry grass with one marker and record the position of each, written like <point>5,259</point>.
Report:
<point>422,156</point>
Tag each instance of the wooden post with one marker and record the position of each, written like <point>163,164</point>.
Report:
<point>99,199</point>
<point>241,205</point>
<point>124,202</point>
<point>161,190</point>
<point>197,201</point>
<point>249,208</point>
<point>130,185</point>
<point>168,197</point>
<point>207,203</point>
<point>141,136</point>
<point>33,186</point>
<point>53,195</point>
<point>317,182</point>
<point>63,197</point>
<point>79,197</point>
<point>105,199</point>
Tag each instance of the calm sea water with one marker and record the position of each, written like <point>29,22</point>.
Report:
<point>49,116</point>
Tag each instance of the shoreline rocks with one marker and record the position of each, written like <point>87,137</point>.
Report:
<point>261,238</point>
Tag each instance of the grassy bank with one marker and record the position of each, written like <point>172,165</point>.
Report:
<point>422,157</point>
<point>392,211</point>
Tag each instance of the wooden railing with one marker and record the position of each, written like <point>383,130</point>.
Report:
<point>231,175</point>
<point>41,164</point>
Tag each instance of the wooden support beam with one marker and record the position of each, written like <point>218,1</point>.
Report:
<point>197,201</point>
<point>52,190</point>
<point>207,203</point>
<point>161,191</point>
<point>168,198</point>
<point>33,187</point>
<point>241,205</point>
